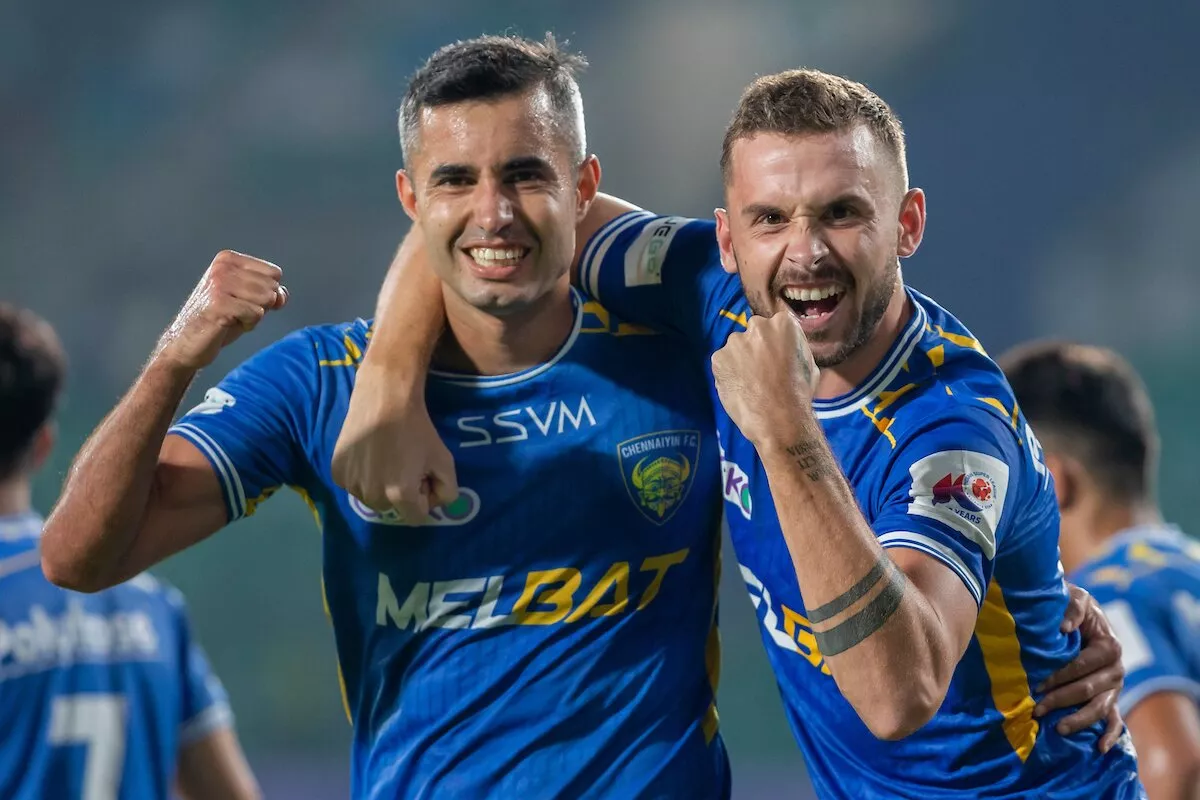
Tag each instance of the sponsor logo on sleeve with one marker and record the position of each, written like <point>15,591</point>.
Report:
<point>215,401</point>
<point>963,489</point>
<point>644,258</point>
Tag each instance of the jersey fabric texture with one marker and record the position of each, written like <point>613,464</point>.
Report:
<point>940,461</point>
<point>551,633</point>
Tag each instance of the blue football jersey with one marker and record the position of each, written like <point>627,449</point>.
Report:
<point>550,634</point>
<point>98,692</point>
<point>1148,580</point>
<point>941,461</point>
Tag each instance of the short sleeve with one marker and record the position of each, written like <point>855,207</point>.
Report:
<point>254,426</point>
<point>665,273</point>
<point>204,703</point>
<point>1150,652</point>
<point>952,491</point>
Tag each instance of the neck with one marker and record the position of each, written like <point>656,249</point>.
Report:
<point>484,344</point>
<point>837,380</point>
<point>16,497</point>
<point>1096,525</point>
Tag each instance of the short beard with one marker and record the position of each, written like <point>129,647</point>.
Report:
<point>875,304</point>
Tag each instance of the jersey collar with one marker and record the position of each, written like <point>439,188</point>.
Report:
<point>884,373</point>
<point>496,381</point>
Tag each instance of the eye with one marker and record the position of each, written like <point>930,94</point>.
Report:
<point>769,218</point>
<point>840,212</point>
<point>454,180</point>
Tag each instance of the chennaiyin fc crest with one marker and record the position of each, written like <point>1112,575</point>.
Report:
<point>658,469</point>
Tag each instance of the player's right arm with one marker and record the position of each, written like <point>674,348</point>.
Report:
<point>659,271</point>
<point>133,495</point>
<point>1160,702</point>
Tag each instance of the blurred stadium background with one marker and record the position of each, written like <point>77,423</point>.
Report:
<point>1059,144</point>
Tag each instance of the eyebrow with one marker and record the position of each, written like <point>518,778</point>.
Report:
<point>759,209</point>
<point>527,162</point>
<point>443,171</point>
<point>849,198</point>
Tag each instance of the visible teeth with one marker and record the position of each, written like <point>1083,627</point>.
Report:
<point>808,295</point>
<point>493,256</point>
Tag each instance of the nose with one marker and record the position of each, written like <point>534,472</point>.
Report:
<point>493,207</point>
<point>807,245</point>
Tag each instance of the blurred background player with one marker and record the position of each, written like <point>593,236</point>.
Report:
<point>1095,421</point>
<point>525,640</point>
<point>102,696</point>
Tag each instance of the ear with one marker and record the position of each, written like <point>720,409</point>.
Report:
<point>43,444</point>
<point>725,241</point>
<point>1067,477</point>
<point>407,194</point>
<point>586,187</point>
<point>912,222</point>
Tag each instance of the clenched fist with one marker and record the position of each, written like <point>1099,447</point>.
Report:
<point>764,375</point>
<point>234,295</point>
<point>389,454</point>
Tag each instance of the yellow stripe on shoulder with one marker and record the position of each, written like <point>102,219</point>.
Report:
<point>956,338</point>
<point>353,354</point>
<point>740,319</point>
<point>1009,416</point>
<point>882,424</point>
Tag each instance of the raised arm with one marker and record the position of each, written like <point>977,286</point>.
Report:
<point>388,402</point>
<point>135,496</point>
<point>891,624</point>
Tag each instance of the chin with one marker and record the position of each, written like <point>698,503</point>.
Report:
<point>502,304</point>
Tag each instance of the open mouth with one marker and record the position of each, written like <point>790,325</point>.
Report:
<point>495,263</point>
<point>813,305</point>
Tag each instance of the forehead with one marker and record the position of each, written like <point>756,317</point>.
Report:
<point>486,132</point>
<point>810,166</point>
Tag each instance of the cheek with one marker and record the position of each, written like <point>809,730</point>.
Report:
<point>553,217</point>
<point>758,260</point>
<point>437,217</point>
<point>862,252</point>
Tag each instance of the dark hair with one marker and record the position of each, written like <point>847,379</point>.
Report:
<point>801,101</point>
<point>32,367</point>
<point>1089,403</point>
<point>492,67</point>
